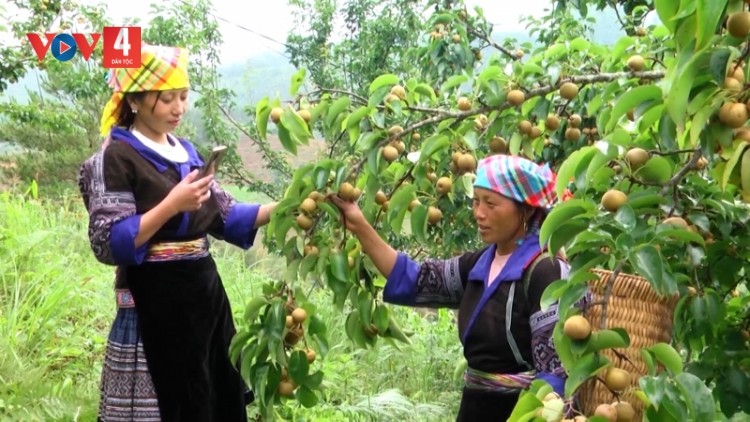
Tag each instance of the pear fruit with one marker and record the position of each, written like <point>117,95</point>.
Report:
<point>568,90</point>
<point>299,315</point>
<point>617,379</point>
<point>276,113</point>
<point>636,63</point>
<point>464,104</point>
<point>613,199</point>
<point>577,328</point>
<point>637,158</point>
<point>738,24</point>
<point>434,215</point>
<point>516,97</point>
<point>444,185</point>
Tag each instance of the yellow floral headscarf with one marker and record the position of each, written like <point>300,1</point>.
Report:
<point>162,68</point>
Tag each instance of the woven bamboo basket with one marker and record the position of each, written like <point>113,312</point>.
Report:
<point>648,318</point>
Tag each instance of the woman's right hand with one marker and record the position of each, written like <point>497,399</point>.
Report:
<point>352,215</point>
<point>190,194</point>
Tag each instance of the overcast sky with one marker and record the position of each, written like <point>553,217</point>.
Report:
<point>273,19</point>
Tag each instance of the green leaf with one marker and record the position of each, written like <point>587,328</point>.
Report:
<point>353,121</point>
<point>647,262</point>
<point>306,397</point>
<point>625,217</point>
<point>454,81</point>
<point>297,80</point>
<point>552,293</point>
<point>667,9</point>
<point>262,111</point>
<point>729,168</point>
<point>529,403</point>
<point>286,139</point>
<point>718,66</point>
<point>381,81</point>
<point>380,318</point>
<point>314,380</point>
<point>253,308</point>
<point>615,338</point>
<point>567,232</point>
<point>340,265</point>
<point>563,213</point>
<point>419,222</point>
<point>708,15</point>
<point>678,96</point>
<point>294,123</point>
<point>668,356</point>
<point>632,99</point>
<point>398,206</point>
<point>568,168</point>
<point>338,107</point>
<point>657,170</point>
<point>582,370</point>
<point>700,399</point>
<point>426,90</point>
<point>298,366</point>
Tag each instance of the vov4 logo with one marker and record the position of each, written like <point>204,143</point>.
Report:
<point>121,49</point>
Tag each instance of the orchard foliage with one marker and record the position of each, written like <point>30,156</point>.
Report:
<point>648,133</point>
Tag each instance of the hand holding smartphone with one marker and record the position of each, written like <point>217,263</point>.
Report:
<point>210,166</point>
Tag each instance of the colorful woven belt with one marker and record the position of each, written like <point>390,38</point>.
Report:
<point>177,251</point>
<point>161,252</point>
<point>498,383</point>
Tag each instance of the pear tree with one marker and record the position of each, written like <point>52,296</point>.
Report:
<point>649,134</point>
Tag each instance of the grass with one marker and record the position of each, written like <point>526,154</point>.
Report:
<point>56,306</point>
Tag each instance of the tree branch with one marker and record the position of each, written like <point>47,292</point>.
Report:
<point>580,80</point>
<point>481,35</point>
<point>364,100</point>
<point>683,171</point>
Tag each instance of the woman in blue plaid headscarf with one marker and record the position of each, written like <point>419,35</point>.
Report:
<point>507,338</point>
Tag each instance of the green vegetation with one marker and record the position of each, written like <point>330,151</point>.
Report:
<point>647,126</point>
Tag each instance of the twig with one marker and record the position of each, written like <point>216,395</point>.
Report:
<point>675,152</point>
<point>683,171</point>
<point>485,37</point>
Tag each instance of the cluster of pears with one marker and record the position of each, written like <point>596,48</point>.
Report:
<point>440,31</point>
<point>295,332</point>
<point>434,215</point>
<point>397,93</point>
<point>553,410</point>
<point>578,328</point>
<point>734,113</point>
<point>396,146</point>
<point>573,132</point>
<point>462,163</point>
<point>309,206</point>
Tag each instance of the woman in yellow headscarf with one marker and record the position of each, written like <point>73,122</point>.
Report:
<point>150,215</point>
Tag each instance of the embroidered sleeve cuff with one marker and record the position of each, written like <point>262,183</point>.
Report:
<point>401,285</point>
<point>557,383</point>
<point>239,228</point>
<point>122,241</point>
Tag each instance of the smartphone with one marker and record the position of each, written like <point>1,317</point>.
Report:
<point>210,166</point>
